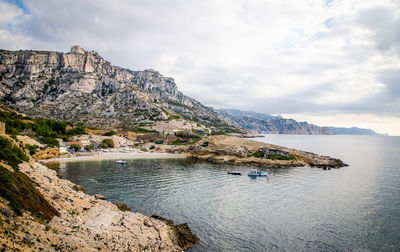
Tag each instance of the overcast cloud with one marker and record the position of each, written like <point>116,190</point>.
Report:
<point>328,62</point>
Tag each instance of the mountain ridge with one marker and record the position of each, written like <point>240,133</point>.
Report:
<point>80,86</point>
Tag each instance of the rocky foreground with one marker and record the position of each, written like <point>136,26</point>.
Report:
<point>85,223</point>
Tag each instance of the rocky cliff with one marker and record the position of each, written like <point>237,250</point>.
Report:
<point>267,124</point>
<point>81,86</point>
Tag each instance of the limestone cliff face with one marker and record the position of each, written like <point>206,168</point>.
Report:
<point>81,86</point>
<point>267,124</point>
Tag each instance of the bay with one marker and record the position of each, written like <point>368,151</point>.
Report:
<point>293,209</point>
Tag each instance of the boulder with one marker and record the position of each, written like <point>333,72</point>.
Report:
<point>181,234</point>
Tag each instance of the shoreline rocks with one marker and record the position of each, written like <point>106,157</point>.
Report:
<point>180,234</point>
<point>85,222</point>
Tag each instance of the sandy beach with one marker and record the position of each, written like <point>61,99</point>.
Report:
<point>95,156</point>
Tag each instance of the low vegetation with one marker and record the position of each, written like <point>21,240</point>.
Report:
<point>259,154</point>
<point>75,146</point>
<point>21,194</point>
<point>143,131</point>
<point>185,139</point>
<point>31,148</point>
<point>44,130</point>
<point>106,143</point>
<point>16,187</point>
<point>11,154</point>
<point>281,157</point>
<point>109,133</point>
<point>88,147</point>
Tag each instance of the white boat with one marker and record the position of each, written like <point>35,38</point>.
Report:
<point>120,161</point>
<point>257,173</point>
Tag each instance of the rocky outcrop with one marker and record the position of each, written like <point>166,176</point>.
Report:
<point>180,234</point>
<point>81,86</point>
<point>239,151</point>
<point>85,223</point>
<point>267,124</point>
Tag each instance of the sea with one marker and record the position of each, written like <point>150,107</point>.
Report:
<point>354,208</point>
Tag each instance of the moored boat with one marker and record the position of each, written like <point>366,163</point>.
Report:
<point>257,173</point>
<point>120,161</point>
<point>234,173</point>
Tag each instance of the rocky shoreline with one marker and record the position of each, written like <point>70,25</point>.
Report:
<point>240,151</point>
<point>85,222</point>
<point>91,223</point>
<point>235,150</point>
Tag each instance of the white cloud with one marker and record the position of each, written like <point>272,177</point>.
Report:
<point>9,12</point>
<point>269,56</point>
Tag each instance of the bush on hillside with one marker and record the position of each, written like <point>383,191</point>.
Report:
<point>11,154</point>
<point>106,143</point>
<point>109,133</point>
<point>75,146</point>
<point>21,194</point>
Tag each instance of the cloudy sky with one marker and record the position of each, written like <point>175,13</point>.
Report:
<point>332,62</point>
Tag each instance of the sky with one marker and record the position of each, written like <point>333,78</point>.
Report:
<point>331,62</point>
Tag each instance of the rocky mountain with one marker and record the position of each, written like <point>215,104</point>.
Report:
<point>80,86</point>
<point>268,124</point>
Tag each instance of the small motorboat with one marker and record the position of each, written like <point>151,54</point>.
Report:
<point>257,173</point>
<point>120,162</point>
<point>234,173</point>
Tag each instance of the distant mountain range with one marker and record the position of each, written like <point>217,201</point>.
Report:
<point>264,123</point>
<point>353,131</point>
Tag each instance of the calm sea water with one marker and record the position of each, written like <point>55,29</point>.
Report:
<point>355,208</point>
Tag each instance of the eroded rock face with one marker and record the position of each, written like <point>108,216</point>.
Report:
<point>81,86</point>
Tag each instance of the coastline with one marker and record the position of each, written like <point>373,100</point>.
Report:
<point>115,156</point>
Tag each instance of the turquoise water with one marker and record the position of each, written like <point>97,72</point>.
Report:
<point>294,209</point>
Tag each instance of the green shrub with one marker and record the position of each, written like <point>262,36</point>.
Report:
<point>205,144</point>
<point>144,131</point>
<point>13,122</point>
<point>31,148</point>
<point>258,154</point>
<point>50,141</point>
<point>75,146</point>
<point>11,154</point>
<point>14,137</point>
<point>78,130</point>
<point>21,194</point>
<point>109,133</point>
<point>88,147</point>
<point>46,130</point>
<point>281,157</point>
<point>106,143</point>
<point>159,141</point>
<point>152,147</point>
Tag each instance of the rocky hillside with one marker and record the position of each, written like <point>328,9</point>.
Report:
<point>80,86</point>
<point>267,124</point>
